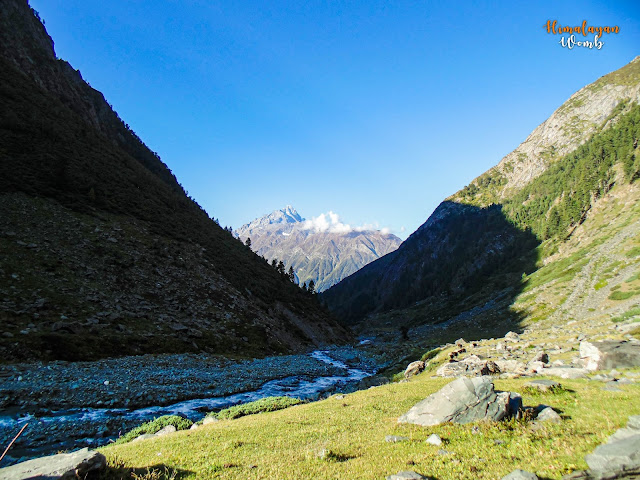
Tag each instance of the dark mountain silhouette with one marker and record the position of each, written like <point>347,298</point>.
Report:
<point>103,253</point>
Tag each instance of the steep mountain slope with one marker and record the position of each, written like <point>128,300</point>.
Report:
<point>471,258</point>
<point>102,252</point>
<point>325,256</point>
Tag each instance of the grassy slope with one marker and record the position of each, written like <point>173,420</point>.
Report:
<point>287,444</point>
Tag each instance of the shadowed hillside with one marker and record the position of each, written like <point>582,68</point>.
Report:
<point>103,252</point>
<point>473,256</point>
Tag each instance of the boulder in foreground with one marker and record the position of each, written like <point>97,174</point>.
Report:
<point>464,400</point>
<point>62,466</point>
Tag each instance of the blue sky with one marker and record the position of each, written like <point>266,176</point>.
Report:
<point>374,110</point>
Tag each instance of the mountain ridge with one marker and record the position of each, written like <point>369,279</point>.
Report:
<point>533,208</point>
<point>324,253</point>
<point>131,264</point>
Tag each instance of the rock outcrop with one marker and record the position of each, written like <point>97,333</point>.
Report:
<point>608,354</point>
<point>62,466</point>
<point>464,400</point>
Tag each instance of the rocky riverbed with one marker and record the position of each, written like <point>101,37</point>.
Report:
<point>72,405</point>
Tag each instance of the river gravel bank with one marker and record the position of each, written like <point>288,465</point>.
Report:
<point>72,405</point>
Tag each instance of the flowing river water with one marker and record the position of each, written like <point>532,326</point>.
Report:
<point>68,429</point>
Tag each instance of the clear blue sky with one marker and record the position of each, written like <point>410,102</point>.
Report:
<point>374,110</point>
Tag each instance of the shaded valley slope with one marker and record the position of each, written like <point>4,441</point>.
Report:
<point>540,220</point>
<point>103,253</point>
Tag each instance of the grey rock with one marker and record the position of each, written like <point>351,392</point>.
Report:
<point>406,475</point>
<point>395,438</point>
<point>464,400</point>
<point>541,357</point>
<point>166,430</point>
<point>144,436</point>
<point>611,387</point>
<point>208,420</point>
<point>618,455</point>
<point>434,439</point>
<point>565,372</point>
<point>520,475</point>
<point>470,366</point>
<point>414,368</point>
<point>609,354</point>
<point>543,385</point>
<point>512,336</point>
<point>62,466</point>
<point>548,414</point>
<point>511,366</point>
<point>634,422</point>
<point>445,453</point>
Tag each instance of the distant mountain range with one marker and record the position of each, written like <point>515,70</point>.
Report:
<point>322,249</point>
<point>552,231</point>
<point>103,253</point>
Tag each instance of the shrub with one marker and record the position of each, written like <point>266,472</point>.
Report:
<point>268,404</point>
<point>155,426</point>
<point>430,354</point>
<point>617,295</point>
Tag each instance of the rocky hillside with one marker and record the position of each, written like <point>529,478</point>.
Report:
<point>324,255</point>
<point>103,254</point>
<point>474,257</point>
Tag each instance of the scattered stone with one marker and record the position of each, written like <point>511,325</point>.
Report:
<point>62,466</point>
<point>7,334</point>
<point>520,475</point>
<point>464,400</point>
<point>499,442</point>
<point>511,366</point>
<point>406,475</point>
<point>512,336</point>
<point>373,381</point>
<point>414,368</point>
<point>194,426</point>
<point>566,372</point>
<point>548,414</point>
<point>166,430</point>
<point>616,456</point>
<point>541,357</point>
<point>209,419</point>
<point>611,387</point>
<point>543,385</point>
<point>461,342</point>
<point>470,366</point>
<point>609,354</point>
<point>395,438</point>
<point>144,436</point>
<point>445,453</point>
<point>434,439</point>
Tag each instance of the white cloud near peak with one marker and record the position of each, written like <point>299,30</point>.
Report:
<point>330,222</point>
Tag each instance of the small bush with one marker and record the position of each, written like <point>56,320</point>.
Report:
<point>155,426</point>
<point>635,311</point>
<point>601,284</point>
<point>617,295</point>
<point>268,404</point>
<point>430,354</point>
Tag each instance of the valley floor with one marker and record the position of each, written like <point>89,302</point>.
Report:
<point>73,405</point>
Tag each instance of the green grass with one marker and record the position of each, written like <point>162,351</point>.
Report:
<point>268,404</point>
<point>344,437</point>
<point>601,284</point>
<point>634,252</point>
<point>635,311</point>
<point>618,295</point>
<point>155,426</point>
